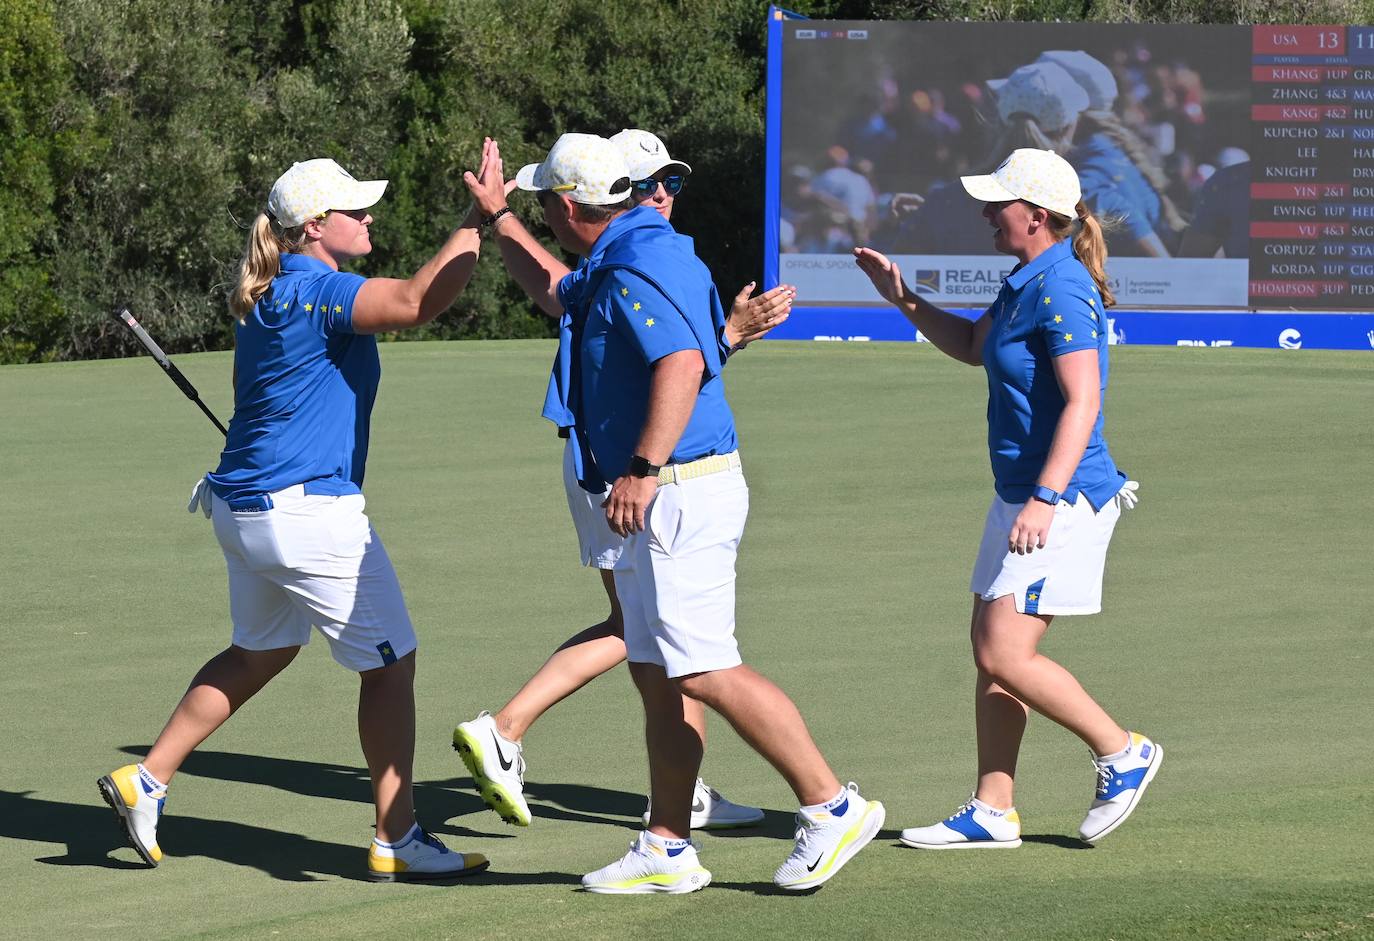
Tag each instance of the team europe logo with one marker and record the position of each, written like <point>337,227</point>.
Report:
<point>927,281</point>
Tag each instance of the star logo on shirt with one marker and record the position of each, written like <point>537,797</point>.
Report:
<point>1047,302</point>
<point>637,305</point>
<point>1094,334</point>
<point>1032,597</point>
<point>624,292</point>
<point>1091,302</point>
<point>1058,319</point>
<point>309,308</point>
<point>649,322</point>
<point>1068,336</point>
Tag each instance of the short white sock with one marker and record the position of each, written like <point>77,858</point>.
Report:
<point>410,835</point>
<point>837,800</point>
<point>147,776</point>
<point>1108,759</point>
<point>667,843</point>
<point>987,808</point>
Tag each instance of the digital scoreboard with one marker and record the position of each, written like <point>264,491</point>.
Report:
<point>1235,163</point>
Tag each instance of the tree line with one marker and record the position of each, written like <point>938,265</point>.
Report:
<point>138,138</point>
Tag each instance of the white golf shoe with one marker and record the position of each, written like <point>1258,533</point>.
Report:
<point>137,799</point>
<point>1121,782</point>
<point>497,766</point>
<point>419,857</point>
<point>829,838</point>
<point>711,811</point>
<point>975,825</point>
<point>651,865</point>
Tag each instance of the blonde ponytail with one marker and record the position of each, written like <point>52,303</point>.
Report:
<point>1129,143</point>
<point>1090,246</point>
<point>261,261</point>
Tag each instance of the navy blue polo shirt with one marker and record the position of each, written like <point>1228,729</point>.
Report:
<point>304,388</point>
<point>1046,308</point>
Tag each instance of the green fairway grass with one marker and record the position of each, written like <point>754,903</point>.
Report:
<point>1237,630</point>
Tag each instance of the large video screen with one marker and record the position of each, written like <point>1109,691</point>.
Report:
<point>1234,165</point>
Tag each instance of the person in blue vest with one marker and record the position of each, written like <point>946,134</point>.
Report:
<point>651,418</point>
<point>1058,496</point>
<point>485,742</point>
<point>288,508</point>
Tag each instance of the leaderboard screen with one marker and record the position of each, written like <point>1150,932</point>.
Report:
<point>1234,165</point>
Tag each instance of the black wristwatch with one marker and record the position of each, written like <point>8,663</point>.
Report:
<point>640,467</point>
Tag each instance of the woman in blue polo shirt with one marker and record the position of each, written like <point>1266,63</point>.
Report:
<point>288,507</point>
<point>1058,492</point>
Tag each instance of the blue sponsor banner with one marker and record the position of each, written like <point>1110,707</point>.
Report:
<point>1277,330</point>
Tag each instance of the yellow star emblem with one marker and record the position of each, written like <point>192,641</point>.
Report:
<point>637,305</point>
<point>1094,334</point>
<point>1047,302</point>
<point>1058,319</point>
<point>1032,597</point>
<point>649,322</point>
<point>1068,336</point>
<point>309,308</point>
<point>338,309</point>
<point>1091,302</point>
<point>1093,315</point>
<point>624,292</point>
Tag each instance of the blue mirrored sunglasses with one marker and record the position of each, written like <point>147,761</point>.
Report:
<point>673,184</point>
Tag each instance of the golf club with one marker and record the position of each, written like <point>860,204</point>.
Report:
<point>167,365</point>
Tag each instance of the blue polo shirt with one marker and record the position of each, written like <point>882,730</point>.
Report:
<point>1046,308</point>
<point>556,408</point>
<point>304,388</point>
<point>642,295</point>
<point>1114,187</point>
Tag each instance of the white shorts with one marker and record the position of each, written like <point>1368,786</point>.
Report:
<point>313,561</point>
<point>1065,577</point>
<point>676,578</point>
<point>599,546</point>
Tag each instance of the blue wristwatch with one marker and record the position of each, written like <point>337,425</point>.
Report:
<point>1045,495</point>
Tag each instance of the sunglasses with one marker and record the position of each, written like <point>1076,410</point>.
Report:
<point>672,184</point>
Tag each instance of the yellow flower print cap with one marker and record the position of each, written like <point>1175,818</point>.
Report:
<point>1040,177</point>
<point>645,154</point>
<point>584,167</point>
<point>313,187</point>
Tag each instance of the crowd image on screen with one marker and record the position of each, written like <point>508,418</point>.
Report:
<point>1138,127</point>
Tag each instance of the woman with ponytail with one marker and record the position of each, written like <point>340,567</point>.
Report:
<point>1119,178</point>
<point>288,507</point>
<point>1058,497</point>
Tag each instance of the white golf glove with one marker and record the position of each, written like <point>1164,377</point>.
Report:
<point>1129,495</point>
<point>201,498</point>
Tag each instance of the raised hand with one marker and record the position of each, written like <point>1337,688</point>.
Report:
<point>488,185</point>
<point>753,317</point>
<point>883,272</point>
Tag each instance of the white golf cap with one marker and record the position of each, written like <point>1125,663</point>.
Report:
<point>1040,177</point>
<point>313,187</point>
<point>645,154</point>
<point>1091,75</point>
<point>1042,90</point>
<point>584,167</point>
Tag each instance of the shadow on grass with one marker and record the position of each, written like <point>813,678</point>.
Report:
<point>440,800</point>
<point>91,831</point>
<point>1055,839</point>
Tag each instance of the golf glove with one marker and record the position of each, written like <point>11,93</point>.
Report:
<point>201,498</point>
<point>1129,495</point>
